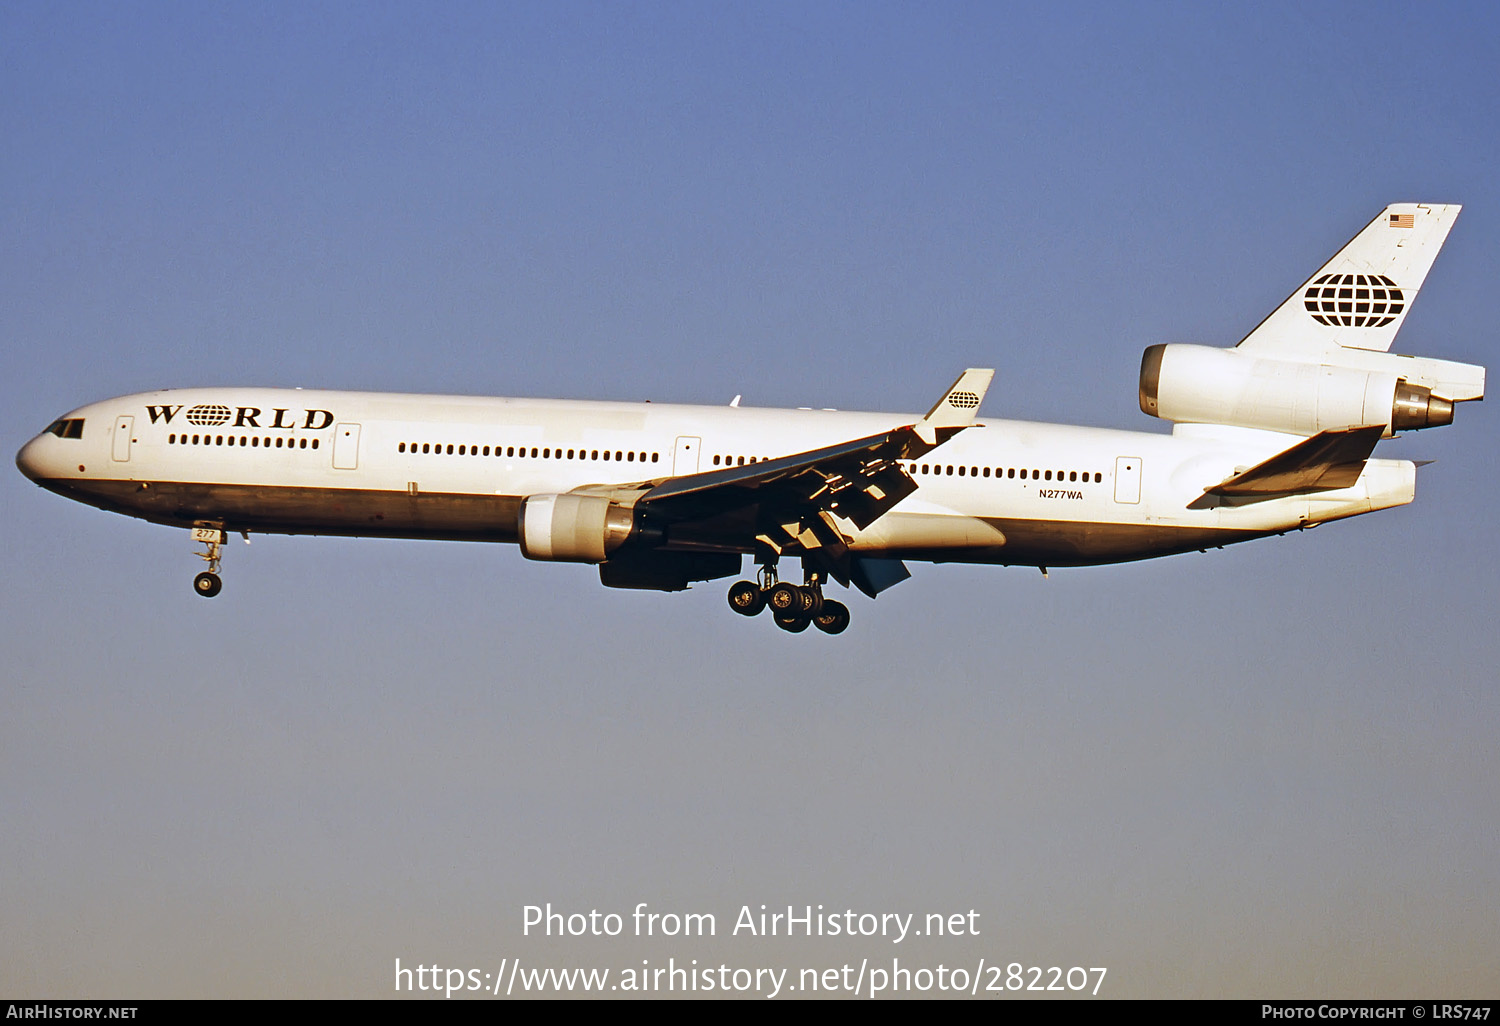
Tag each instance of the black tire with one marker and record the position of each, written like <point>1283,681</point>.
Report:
<point>834,617</point>
<point>785,598</point>
<point>746,598</point>
<point>795,624</point>
<point>207,584</point>
<point>812,602</point>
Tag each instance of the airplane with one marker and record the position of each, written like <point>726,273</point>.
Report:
<point>1273,435</point>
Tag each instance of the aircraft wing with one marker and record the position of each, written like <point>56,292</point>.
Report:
<point>793,500</point>
<point>1328,460</point>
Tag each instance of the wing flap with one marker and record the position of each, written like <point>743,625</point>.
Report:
<point>798,501</point>
<point>857,480</point>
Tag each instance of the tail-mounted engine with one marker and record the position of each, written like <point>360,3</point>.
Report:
<point>1201,385</point>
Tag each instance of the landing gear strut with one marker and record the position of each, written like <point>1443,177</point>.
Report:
<point>208,583</point>
<point>793,607</point>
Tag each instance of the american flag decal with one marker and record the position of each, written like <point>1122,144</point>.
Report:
<point>1403,221</point>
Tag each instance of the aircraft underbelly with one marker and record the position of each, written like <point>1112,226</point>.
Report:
<point>283,509</point>
<point>1032,542</point>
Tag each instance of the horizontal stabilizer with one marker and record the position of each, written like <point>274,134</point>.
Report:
<point>1332,459</point>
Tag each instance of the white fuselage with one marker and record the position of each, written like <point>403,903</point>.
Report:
<point>458,467</point>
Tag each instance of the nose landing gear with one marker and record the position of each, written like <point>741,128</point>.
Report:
<point>208,583</point>
<point>793,607</point>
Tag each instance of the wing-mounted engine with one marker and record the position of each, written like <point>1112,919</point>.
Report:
<point>607,527</point>
<point>1201,385</point>
<point>577,527</point>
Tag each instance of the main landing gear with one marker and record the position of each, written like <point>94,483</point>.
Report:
<point>793,607</point>
<point>208,583</point>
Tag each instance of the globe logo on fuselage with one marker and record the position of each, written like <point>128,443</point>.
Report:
<point>1354,300</point>
<point>208,415</point>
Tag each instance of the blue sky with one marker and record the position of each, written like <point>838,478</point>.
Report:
<point>1266,771</point>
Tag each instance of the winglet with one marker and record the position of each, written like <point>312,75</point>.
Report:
<point>957,408</point>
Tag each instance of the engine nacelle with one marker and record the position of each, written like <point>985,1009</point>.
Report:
<point>572,528</point>
<point>1202,385</point>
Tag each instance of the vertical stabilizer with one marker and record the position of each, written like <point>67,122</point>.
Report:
<point>1359,299</point>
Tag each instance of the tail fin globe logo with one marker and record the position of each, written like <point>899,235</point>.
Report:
<point>1354,300</point>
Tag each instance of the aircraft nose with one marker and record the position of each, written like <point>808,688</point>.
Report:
<point>29,460</point>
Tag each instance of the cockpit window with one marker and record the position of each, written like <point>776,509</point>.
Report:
<point>66,428</point>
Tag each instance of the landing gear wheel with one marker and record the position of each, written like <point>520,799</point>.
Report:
<point>746,598</point>
<point>794,624</point>
<point>207,584</point>
<point>812,601</point>
<point>785,599</point>
<point>833,618</point>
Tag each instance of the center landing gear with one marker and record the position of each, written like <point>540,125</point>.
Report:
<point>793,607</point>
<point>208,583</point>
